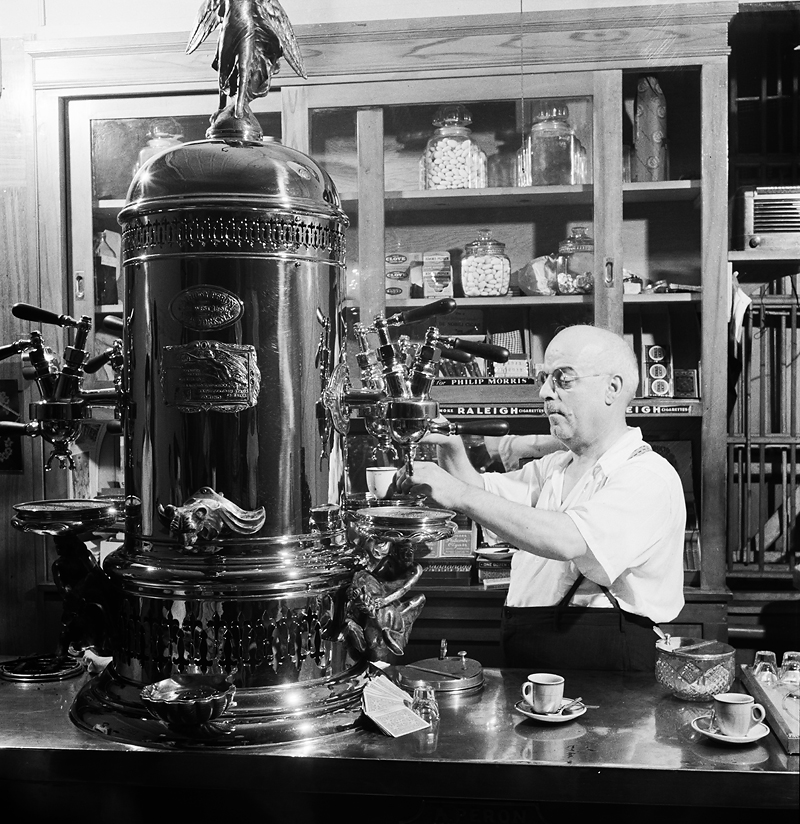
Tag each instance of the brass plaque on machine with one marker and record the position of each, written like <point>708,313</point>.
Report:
<point>210,376</point>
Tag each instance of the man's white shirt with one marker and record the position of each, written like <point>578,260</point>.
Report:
<point>630,511</point>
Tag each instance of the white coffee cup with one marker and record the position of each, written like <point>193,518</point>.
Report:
<point>379,479</point>
<point>544,691</point>
<point>736,713</point>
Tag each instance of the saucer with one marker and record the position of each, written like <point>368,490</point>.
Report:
<point>703,726</point>
<point>551,717</point>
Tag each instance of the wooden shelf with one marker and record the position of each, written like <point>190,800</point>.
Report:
<point>514,197</point>
<point>518,402</point>
<point>517,301</point>
<point>764,256</point>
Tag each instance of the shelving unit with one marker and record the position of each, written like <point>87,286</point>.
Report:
<point>362,80</point>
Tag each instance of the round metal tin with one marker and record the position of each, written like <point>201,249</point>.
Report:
<point>445,675</point>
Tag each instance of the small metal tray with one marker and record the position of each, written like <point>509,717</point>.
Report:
<point>71,515</point>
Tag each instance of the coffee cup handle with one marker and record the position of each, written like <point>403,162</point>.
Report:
<point>527,691</point>
<point>758,713</point>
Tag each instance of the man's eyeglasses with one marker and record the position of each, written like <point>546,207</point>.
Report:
<point>561,378</point>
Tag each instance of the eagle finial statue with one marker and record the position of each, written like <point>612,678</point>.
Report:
<point>255,35</point>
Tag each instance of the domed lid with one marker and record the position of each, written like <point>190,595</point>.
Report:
<point>452,115</point>
<point>165,127</point>
<point>485,245</point>
<point>578,241</point>
<point>550,110</point>
<point>233,173</point>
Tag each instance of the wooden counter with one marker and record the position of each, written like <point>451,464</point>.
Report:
<point>637,748</point>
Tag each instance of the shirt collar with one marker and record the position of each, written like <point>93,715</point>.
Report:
<point>619,451</point>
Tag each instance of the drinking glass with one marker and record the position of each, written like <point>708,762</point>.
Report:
<point>765,667</point>
<point>790,669</point>
<point>424,704</point>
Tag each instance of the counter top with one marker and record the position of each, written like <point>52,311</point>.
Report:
<point>637,747</point>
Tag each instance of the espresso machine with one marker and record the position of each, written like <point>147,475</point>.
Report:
<point>238,611</point>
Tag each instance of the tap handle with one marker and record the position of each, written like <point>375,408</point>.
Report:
<point>489,427</point>
<point>97,362</point>
<point>438,307</point>
<point>490,351</point>
<point>362,397</point>
<point>15,427</point>
<point>11,349</point>
<point>111,323</point>
<point>114,427</point>
<point>25,311</point>
<point>458,355</point>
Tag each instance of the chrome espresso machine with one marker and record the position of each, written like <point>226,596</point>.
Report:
<point>243,607</point>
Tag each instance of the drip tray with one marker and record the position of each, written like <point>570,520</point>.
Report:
<point>453,675</point>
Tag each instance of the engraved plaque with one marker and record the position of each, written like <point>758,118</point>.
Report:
<point>208,375</point>
<point>206,307</point>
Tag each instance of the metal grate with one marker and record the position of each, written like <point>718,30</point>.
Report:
<point>764,437</point>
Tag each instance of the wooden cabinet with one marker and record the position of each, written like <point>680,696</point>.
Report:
<point>365,114</point>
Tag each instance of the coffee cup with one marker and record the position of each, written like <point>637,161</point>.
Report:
<point>736,713</point>
<point>544,691</point>
<point>379,479</point>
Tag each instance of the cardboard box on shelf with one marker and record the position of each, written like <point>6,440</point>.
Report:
<point>437,275</point>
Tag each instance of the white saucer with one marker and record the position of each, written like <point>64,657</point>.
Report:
<point>703,726</point>
<point>551,717</point>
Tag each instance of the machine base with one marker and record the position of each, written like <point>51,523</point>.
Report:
<point>109,707</point>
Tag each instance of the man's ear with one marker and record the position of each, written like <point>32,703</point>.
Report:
<point>614,389</point>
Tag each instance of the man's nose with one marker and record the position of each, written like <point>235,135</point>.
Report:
<point>547,390</point>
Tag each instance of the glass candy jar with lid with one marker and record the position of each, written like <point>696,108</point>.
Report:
<point>552,154</point>
<point>453,159</point>
<point>575,263</point>
<point>485,269</point>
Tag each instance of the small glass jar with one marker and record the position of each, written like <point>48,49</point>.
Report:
<point>453,159</point>
<point>551,154</point>
<point>575,263</point>
<point>485,268</point>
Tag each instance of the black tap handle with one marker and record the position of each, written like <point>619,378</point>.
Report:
<point>14,427</point>
<point>97,362</point>
<point>114,427</point>
<point>438,307</point>
<point>25,311</point>
<point>111,323</point>
<point>490,351</point>
<point>458,355</point>
<point>490,427</point>
<point>11,349</point>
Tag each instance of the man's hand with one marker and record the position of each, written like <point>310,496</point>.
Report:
<point>431,480</point>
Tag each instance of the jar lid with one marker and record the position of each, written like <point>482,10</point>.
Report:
<point>695,648</point>
<point>452,115</point>
<point>485,245</point>
<point>578,241</point>
<point>550,110</point>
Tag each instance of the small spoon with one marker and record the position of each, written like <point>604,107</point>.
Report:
<point>661,634</point>
<point>570,705</point>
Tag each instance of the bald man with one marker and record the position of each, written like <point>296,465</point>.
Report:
<point>599,526</point>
